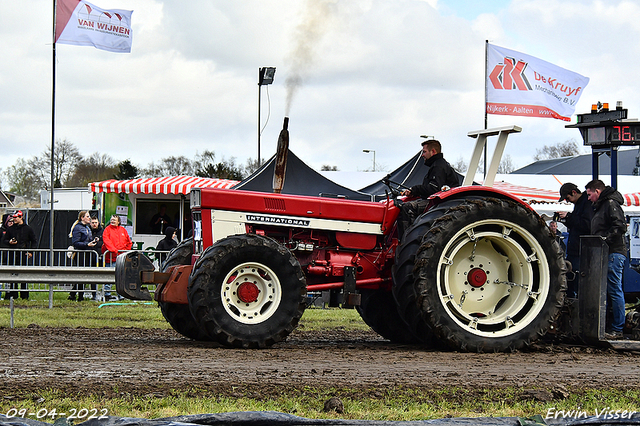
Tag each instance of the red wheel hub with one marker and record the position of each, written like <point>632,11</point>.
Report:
<point>477,277</point>
<point>248,292</point>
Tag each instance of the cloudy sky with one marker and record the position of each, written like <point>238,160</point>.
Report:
<point>375,74</point>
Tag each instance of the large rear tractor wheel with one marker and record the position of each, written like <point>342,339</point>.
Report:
<point>378,310</point>
<point>489,276</point>
<point>179,316</point>
<point>247,291</point>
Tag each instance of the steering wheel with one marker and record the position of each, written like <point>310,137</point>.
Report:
<point>395,188</point>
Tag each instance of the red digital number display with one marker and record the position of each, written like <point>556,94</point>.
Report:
<point>625,134</point>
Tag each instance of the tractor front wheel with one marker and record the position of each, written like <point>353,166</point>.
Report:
<point>179,316</point>
<point>247,291</point>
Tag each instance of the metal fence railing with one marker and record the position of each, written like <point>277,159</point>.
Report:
<point>61,270</point>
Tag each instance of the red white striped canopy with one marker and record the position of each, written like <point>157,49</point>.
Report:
<point>632,199</point>
<point>528,194</point>
<point>164,185</point>
<point>546,195</point>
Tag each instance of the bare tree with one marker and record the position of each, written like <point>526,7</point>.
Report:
<point>170,166</point>
<point>460,165</point>
<point>22,180</point>
<point>252,165</point>
<point>27,177</point>
<point>205,165</point>
<point>506,165</point>
<point>66,157</point>
<point>94,168</point>
<point>568,148</point>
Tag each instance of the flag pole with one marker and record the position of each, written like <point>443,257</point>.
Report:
<point>486,64</point>
<point>53,138</point>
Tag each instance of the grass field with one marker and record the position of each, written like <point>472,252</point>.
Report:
<point>126,313</point>
<point>376,404</point>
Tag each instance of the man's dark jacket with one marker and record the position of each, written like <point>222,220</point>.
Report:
<point>440,174</point>
<point>608,220</point>
<point>23,234</point>
<point>97,233</point>
<point>579,223</point>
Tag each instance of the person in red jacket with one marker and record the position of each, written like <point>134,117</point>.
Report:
<point>115,239</point>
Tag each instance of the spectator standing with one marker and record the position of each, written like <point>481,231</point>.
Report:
<point>578,222</point>
<point>4,252</point>
<point>6,223</point>
<point>167,243</point>
<point>160,220</point>
<point>96,234</point>
<point>19,237</point>
<point>115,239</point>
<point>608,221</point>
<point>553,226</point>
<point>82,240</point>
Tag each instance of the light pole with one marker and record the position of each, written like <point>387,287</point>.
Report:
<point>374,157</point>
<point>265,76</point>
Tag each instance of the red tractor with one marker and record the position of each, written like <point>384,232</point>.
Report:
<point>478,271</point>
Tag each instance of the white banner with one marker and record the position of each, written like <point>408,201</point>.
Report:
<point>519,84</point>
<point>80,23</point>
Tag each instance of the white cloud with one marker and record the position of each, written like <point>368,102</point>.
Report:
<point>383,72</point>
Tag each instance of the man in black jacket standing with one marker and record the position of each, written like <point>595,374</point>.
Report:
<point>20,237</point>
<point>440,175</point>
<point>579,223</point>
<point>608,221</point>
<point>96,235</point>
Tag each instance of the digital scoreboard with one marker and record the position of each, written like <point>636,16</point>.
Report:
<point>619,133</point>
<point>604,128</point>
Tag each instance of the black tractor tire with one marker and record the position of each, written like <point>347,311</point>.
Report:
<point>403,283</point>
<point>378,310</point>
<point>489,276</point>
<point>247,291</point>
<point>179,316</point>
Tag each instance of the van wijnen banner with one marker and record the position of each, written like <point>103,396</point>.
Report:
<point>80,23</point>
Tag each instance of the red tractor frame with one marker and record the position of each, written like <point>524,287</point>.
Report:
<point>479,270</point>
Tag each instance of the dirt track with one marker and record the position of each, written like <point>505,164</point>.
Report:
<point>154,362</point>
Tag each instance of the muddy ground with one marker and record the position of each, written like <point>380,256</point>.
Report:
<point>113,362</point>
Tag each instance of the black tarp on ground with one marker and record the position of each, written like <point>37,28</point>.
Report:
<point>300,179</point>
<point>255,418</point>
<point>410,173</point>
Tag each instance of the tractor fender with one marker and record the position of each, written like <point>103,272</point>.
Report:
<point>475,190</point>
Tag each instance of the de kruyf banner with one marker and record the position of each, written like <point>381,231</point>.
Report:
<point>80,23</point>
<point>519,84</point>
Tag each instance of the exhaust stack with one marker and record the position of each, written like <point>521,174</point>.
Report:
<point>281,158</point>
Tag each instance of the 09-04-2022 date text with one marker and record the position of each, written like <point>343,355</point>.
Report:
<point>72,413</point>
